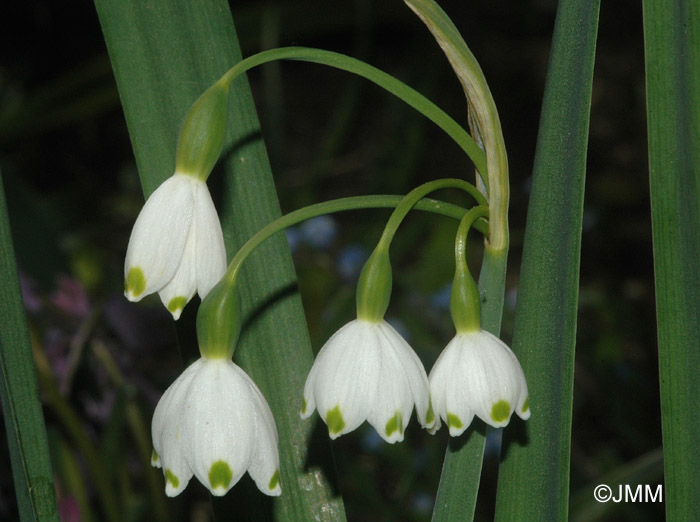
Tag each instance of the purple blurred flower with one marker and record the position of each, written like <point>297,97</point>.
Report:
<point>70,297</point>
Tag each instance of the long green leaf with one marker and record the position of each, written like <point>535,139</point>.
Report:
<point>672,46</point>
<point>534,475</point>
<point>24,421</point>
<point>164,55</point>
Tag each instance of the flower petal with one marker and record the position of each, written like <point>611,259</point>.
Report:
<point>348,372</point>
<point>219,426</point>
<point>158,238</point>
<point>459,407</point>
<point>210,252</point>
<point>493,378</point>
<point>166,428</point>
<point>265,465</point>
<point>181,288</point>
<point>393,402</point>
<point>414,371</point>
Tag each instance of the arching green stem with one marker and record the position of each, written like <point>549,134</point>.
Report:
<point>219,316</point>
<point>465,304</point>
<point>378,77</point>
<point>374,285</point>
<point>340,205</point>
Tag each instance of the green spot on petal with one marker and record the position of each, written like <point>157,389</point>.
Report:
<point>135,281</point>
<point>500,411</point>
<point>394,424</point>
<point>303,406</point>
<point>334,420</point>
<point>172,478</point>
<point>430,415</point>
<point>526,405</point>
<point>154,456</point>
<point>274,481</point>
<point>176,303</point>
<point>453,421</point>
<point>220,475</point>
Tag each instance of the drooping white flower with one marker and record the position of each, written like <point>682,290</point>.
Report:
<point>477,374</point>
<point>176,246</point>
<point>214,422</point>
<point>367,371</point>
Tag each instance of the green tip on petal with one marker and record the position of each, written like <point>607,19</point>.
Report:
<point>334,420</point>
<point>135,282</point>
<point>274,481</point>
<point>526,405</point>
<point>176,305</point>
<point>500,411</point>
<point>172,478</point>
<point>303,406</point>
<point>430,415</point>
<point>394,424</point>
<point>154,457</point>
<point>453,421</point>
<point>220,475</point>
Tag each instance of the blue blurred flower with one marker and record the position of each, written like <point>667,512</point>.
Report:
<point>350,261</point>
<point>320,231</point>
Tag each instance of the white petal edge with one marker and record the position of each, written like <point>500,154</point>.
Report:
<point>158,238</point>
<point>265,465</point>
<point>219,423</point>
<point>347,375</point>
<point>210,250</point>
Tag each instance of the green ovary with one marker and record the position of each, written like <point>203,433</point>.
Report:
<point>500,411</point>
<point>220,474</point>
<point>334,420</point>
<point>135,281</point>
<point>394,424</point>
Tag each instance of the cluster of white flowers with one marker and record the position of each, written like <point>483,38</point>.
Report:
<point>367,371</point>
<point>214,423</point>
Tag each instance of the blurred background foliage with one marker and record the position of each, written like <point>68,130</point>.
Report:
<point>73,195</point>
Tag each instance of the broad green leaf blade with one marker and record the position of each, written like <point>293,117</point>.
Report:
<point>672,48</point>
<point>534,475</point>
<point>24,420</point>
<point>165,54</point>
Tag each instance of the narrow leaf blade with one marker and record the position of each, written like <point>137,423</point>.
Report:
<point>24,420</point>
<point>672,48</point>
<point>534,475</point>
<point>165,54</point>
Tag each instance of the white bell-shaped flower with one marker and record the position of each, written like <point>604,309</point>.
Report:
<point>214,422</point>
<point>176,246</point>
<point>477,374</point>
<point>367,371</point>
